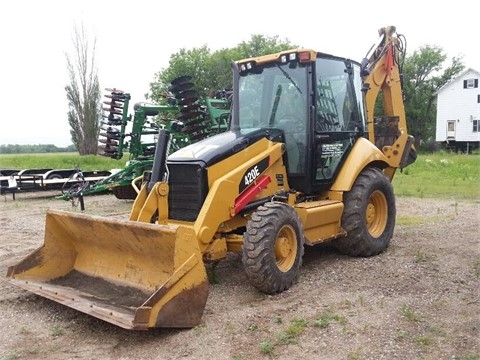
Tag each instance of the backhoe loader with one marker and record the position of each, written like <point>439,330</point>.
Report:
<point>305,161</point>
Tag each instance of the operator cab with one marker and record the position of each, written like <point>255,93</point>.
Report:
<point>315,99</point>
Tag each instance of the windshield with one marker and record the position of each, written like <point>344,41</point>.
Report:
<point>271,93</point>
<point>276,96</point>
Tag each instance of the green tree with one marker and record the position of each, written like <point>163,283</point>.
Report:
<point>185,62</point>
<point>261,45</point>
<point>209,70</point>
<point>424,74</point>
<point>83,93</point>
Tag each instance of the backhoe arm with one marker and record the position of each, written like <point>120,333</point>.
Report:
<point>381,72</point>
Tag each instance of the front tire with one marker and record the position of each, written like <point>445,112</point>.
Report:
<point>368,216</point>
<point>273,247</point>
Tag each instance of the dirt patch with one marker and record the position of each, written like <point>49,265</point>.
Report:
<point>417,300</point>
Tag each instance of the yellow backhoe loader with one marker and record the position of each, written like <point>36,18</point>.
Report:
<point>304,161</point>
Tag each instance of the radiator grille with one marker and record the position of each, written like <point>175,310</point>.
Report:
<point>187,191</point>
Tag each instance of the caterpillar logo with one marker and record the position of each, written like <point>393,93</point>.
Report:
<point>253,173</point>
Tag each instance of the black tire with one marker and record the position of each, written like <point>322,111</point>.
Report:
<point>126,192</point>
<point>273,247</point>
<point>54,177</point>
<point>368,216</point>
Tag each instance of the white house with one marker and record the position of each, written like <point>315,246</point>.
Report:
<point>458,112</point>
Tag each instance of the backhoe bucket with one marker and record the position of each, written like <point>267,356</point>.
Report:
<point>132,274</point>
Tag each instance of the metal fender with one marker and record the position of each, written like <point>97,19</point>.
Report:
<point>363,154</point>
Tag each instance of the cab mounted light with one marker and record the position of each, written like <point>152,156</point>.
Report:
<point>304,56</point>
<point>288,57</point>
<point>247,66</point>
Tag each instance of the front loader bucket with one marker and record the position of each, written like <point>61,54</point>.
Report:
<point>132,274</point>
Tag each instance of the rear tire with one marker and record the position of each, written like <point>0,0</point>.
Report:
<point>126,192</point>
<point>273,247</point>
<point>368,216</point>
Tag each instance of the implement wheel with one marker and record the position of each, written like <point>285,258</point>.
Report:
<point>369,215</point>
<point>126,192</point>
<point>54,177</point>
<point>273,247</point>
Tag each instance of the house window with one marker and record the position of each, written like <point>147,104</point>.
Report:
<point>470,83</point>
<point>476,124</point>
<point>451,126</point>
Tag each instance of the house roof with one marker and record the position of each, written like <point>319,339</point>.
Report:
<point>473,71</point>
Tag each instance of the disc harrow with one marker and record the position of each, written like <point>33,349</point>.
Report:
<point>192,114</point>
<point>114,108</point>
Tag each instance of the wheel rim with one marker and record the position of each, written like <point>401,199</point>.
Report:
<point>286,248</point>
<point>377,213</point>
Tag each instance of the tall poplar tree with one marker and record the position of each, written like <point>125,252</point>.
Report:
<point>83,93</point>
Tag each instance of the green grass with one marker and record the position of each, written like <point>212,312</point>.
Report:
<point>415,220</point>
<point>476,268</point>
<point>440,175</point>
<point>11,356</point>
<point>266,347</point>
<point>424,340</point>
<point>291,333</point>
<point>57,331</point>
<point>60,161</point>
<point>327,318</point>
<point>409,314</point>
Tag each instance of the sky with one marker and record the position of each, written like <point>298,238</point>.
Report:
<point>135,40</point>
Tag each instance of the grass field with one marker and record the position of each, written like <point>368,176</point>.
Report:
<point>432,175</point>
<point>440,175</point>
<point>60,161</point>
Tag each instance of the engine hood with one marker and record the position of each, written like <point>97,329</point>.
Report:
<point>219,147</point>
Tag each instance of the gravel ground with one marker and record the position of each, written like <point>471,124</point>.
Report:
<point>418,300</point>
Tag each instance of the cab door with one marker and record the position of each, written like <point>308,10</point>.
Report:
<point>339,115</point>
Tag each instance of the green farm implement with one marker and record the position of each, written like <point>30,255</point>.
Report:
<point>186,116</point>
